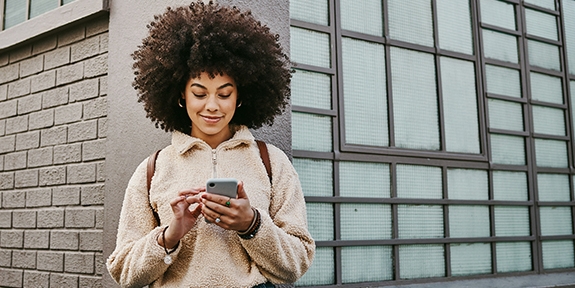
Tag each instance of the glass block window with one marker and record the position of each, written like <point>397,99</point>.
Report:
<point>316,176</point>
<point>541,24</point>
<point>38,7</point>
<point>498,13</point>
<point>314,11</point>
<point>505,115</point>
<point>544,55</point>
<point>311,132</point>
<point>511,221</point>
<point>513,256</point>
<point>569,10</point>
<point>322,270</point>
<point>366,263</point>
<point>557,254</point>
<point>547,120</point>
<point>470,259</point>
<point>467,184</point>
<point>556,221</point>
<point>468,221</point>
<point>311,89</point>
<point>421,261</point>
<point>508,150</point>
<point>546,88</point>
<point>503,81</point>
<point>550,153</point>
<point>508,185</point>
<point>320,221</point>
<point>302,39</point>
<point>365,221</point>
<point>365,18</point>
<point>419,182</point>
<point>547,4</point>
<point>454,26</point>
<point>420,221</point>
<point>361,179</point>
<point>18,11</point>
<point>500,46</point>
<point>411,21</point>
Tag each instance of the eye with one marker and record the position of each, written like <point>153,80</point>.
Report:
<point>225,95</point>
<point>199,95</point>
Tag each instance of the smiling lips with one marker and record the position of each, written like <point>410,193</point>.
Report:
<point>211,119</point>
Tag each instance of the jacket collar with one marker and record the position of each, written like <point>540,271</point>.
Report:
<point>184,142</point>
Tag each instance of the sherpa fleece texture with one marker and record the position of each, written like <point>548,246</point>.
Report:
<point>210,256</point>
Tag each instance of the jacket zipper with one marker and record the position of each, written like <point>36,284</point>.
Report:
<point>214,173</point>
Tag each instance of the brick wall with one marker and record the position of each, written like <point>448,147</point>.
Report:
<point>53,110</point>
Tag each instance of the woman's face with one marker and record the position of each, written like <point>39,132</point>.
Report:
<point>211,104</point>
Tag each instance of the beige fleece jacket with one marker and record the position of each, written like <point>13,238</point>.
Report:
<point>210,256</point>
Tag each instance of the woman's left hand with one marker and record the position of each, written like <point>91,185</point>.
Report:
<point>233,214</point>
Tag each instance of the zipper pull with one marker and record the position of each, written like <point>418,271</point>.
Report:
<point>214,173</point>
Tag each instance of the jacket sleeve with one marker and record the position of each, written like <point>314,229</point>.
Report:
<point>138,258</point>
<point>283,232</point>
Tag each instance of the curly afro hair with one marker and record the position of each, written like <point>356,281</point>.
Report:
<point>183,42</point>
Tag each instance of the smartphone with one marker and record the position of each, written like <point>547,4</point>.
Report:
<point>223,186</point>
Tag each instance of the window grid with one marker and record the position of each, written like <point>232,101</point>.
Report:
<point>27,13</point>
<point>442,158</point>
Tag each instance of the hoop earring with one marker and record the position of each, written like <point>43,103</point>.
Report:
<point>239,105</point>
<point>180,103</point>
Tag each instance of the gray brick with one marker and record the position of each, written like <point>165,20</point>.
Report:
<point>83,131</point>
<point>36,279</point>
<point>55,97</point>
<point>6,182</point>
<point>11,278</point>
<point>64,240</point>
<point>5,258</point>
<point>102,127</point>
<point>26,178</point>
<point>82,173</point>
<point>100,264</point>
<point>2,128</point>
<point>104,39</point>
<point>96,66</point>
<point>84,49</point>
<point>68,153</point>
<point>100,172</point>
<point>68,113</point>
<point>29,104</point>
<point>24,219</point>
<point>44,45</point>
<point>39,197</point>
<point>8,108</point>
<point>57,58</point>
<point>68,74</point>
<point>103,85</point>
<point>13,199</point>
<point>7,143</point>
<point>19,88</point>
<point>50,218</point>
<point>83,90</point>
<point>11,238</point>
<point>92,195</point>
<point>36,239</point>
<point>20,53</point>
<point>96,108</point>
<point>3,92</point>
<point>16,160</point>
<point>41,119</point>
<point>40,157</point>
<point>75,262</point>
<point>79,217</point>
<point>90,282</point>
<point>29,140</point>
<point>97,26</point>
<point>71,35</point>
<point>65,195</point>
<point>63,280</point>
<point>17,124</point>
<point>91,240</point>
<point>9,73</point>
<point>52,176</point>
<point>50,261</point>
<point>43,81</point>
<point>99,218</point>
<point>94,150</point>
<point>5,219</point>
<point>31,66</point>
<point>24,259</point>
<point>54,136</point>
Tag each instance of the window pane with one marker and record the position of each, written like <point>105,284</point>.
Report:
<point>359,179</point>
<point>513,256</point>
<point>460,106</point>
<point>365,18</point>
<point>420,221</point>
<point>551,153</point>
<point>320,221</point>
<point>543,55</point>
<point>421,261</point>
<point>470,259</point>
<point>365,221</point>
<point>509,185</point>
<point>366,263</point>
<point>419,182</point>
<point>311,132</point>
<point>507,149</point>
<point>498,13</point>
<point>311,89</point>
<point>569,17</point>
<point>67,1</point>
<point>546,88</point>
<point>414,93</point>
<point>503,81</point>
<point>549,4</point>
<point>454,26</point>
<point>14,12</point>
<point>511,221</point>
<point>365,94</point>
<point>38,7</point>
<point>557,254</point>
<point>468,221</point>
<point>555,221</point>
<point>467,184</point>
<point>547,120</point>
<point>505,115</point>
<point>315,176</point>
<point>322,270</point>
<point>411,21</point>
<point>313,11</point>
<point>500,46</point>
<point>310,47</point>
<point>553,187</point>
<point>541,24</point>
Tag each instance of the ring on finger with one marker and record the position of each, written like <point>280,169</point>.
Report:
<point>218,220</point>
<point>228,202</point>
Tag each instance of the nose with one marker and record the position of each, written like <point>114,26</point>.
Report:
<point>212,103</point>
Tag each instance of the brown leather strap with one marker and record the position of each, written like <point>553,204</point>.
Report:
<point>265,157</point>
<point>149,175</point>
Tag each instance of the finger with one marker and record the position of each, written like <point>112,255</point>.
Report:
<point>197,211</point>
<point>177,200</point>
<point>241,192</point>
<point>192,191</point>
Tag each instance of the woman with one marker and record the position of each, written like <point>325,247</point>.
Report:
<point>208,73</point>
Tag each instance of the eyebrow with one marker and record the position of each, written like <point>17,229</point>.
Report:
<point>203,87</point>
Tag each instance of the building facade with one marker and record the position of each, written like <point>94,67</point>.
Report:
<point>433,138</point>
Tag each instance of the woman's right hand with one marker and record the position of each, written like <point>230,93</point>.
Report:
<point>184,218</point>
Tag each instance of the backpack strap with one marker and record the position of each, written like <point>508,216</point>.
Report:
<point>265,157</point>
<point>149,175</point>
